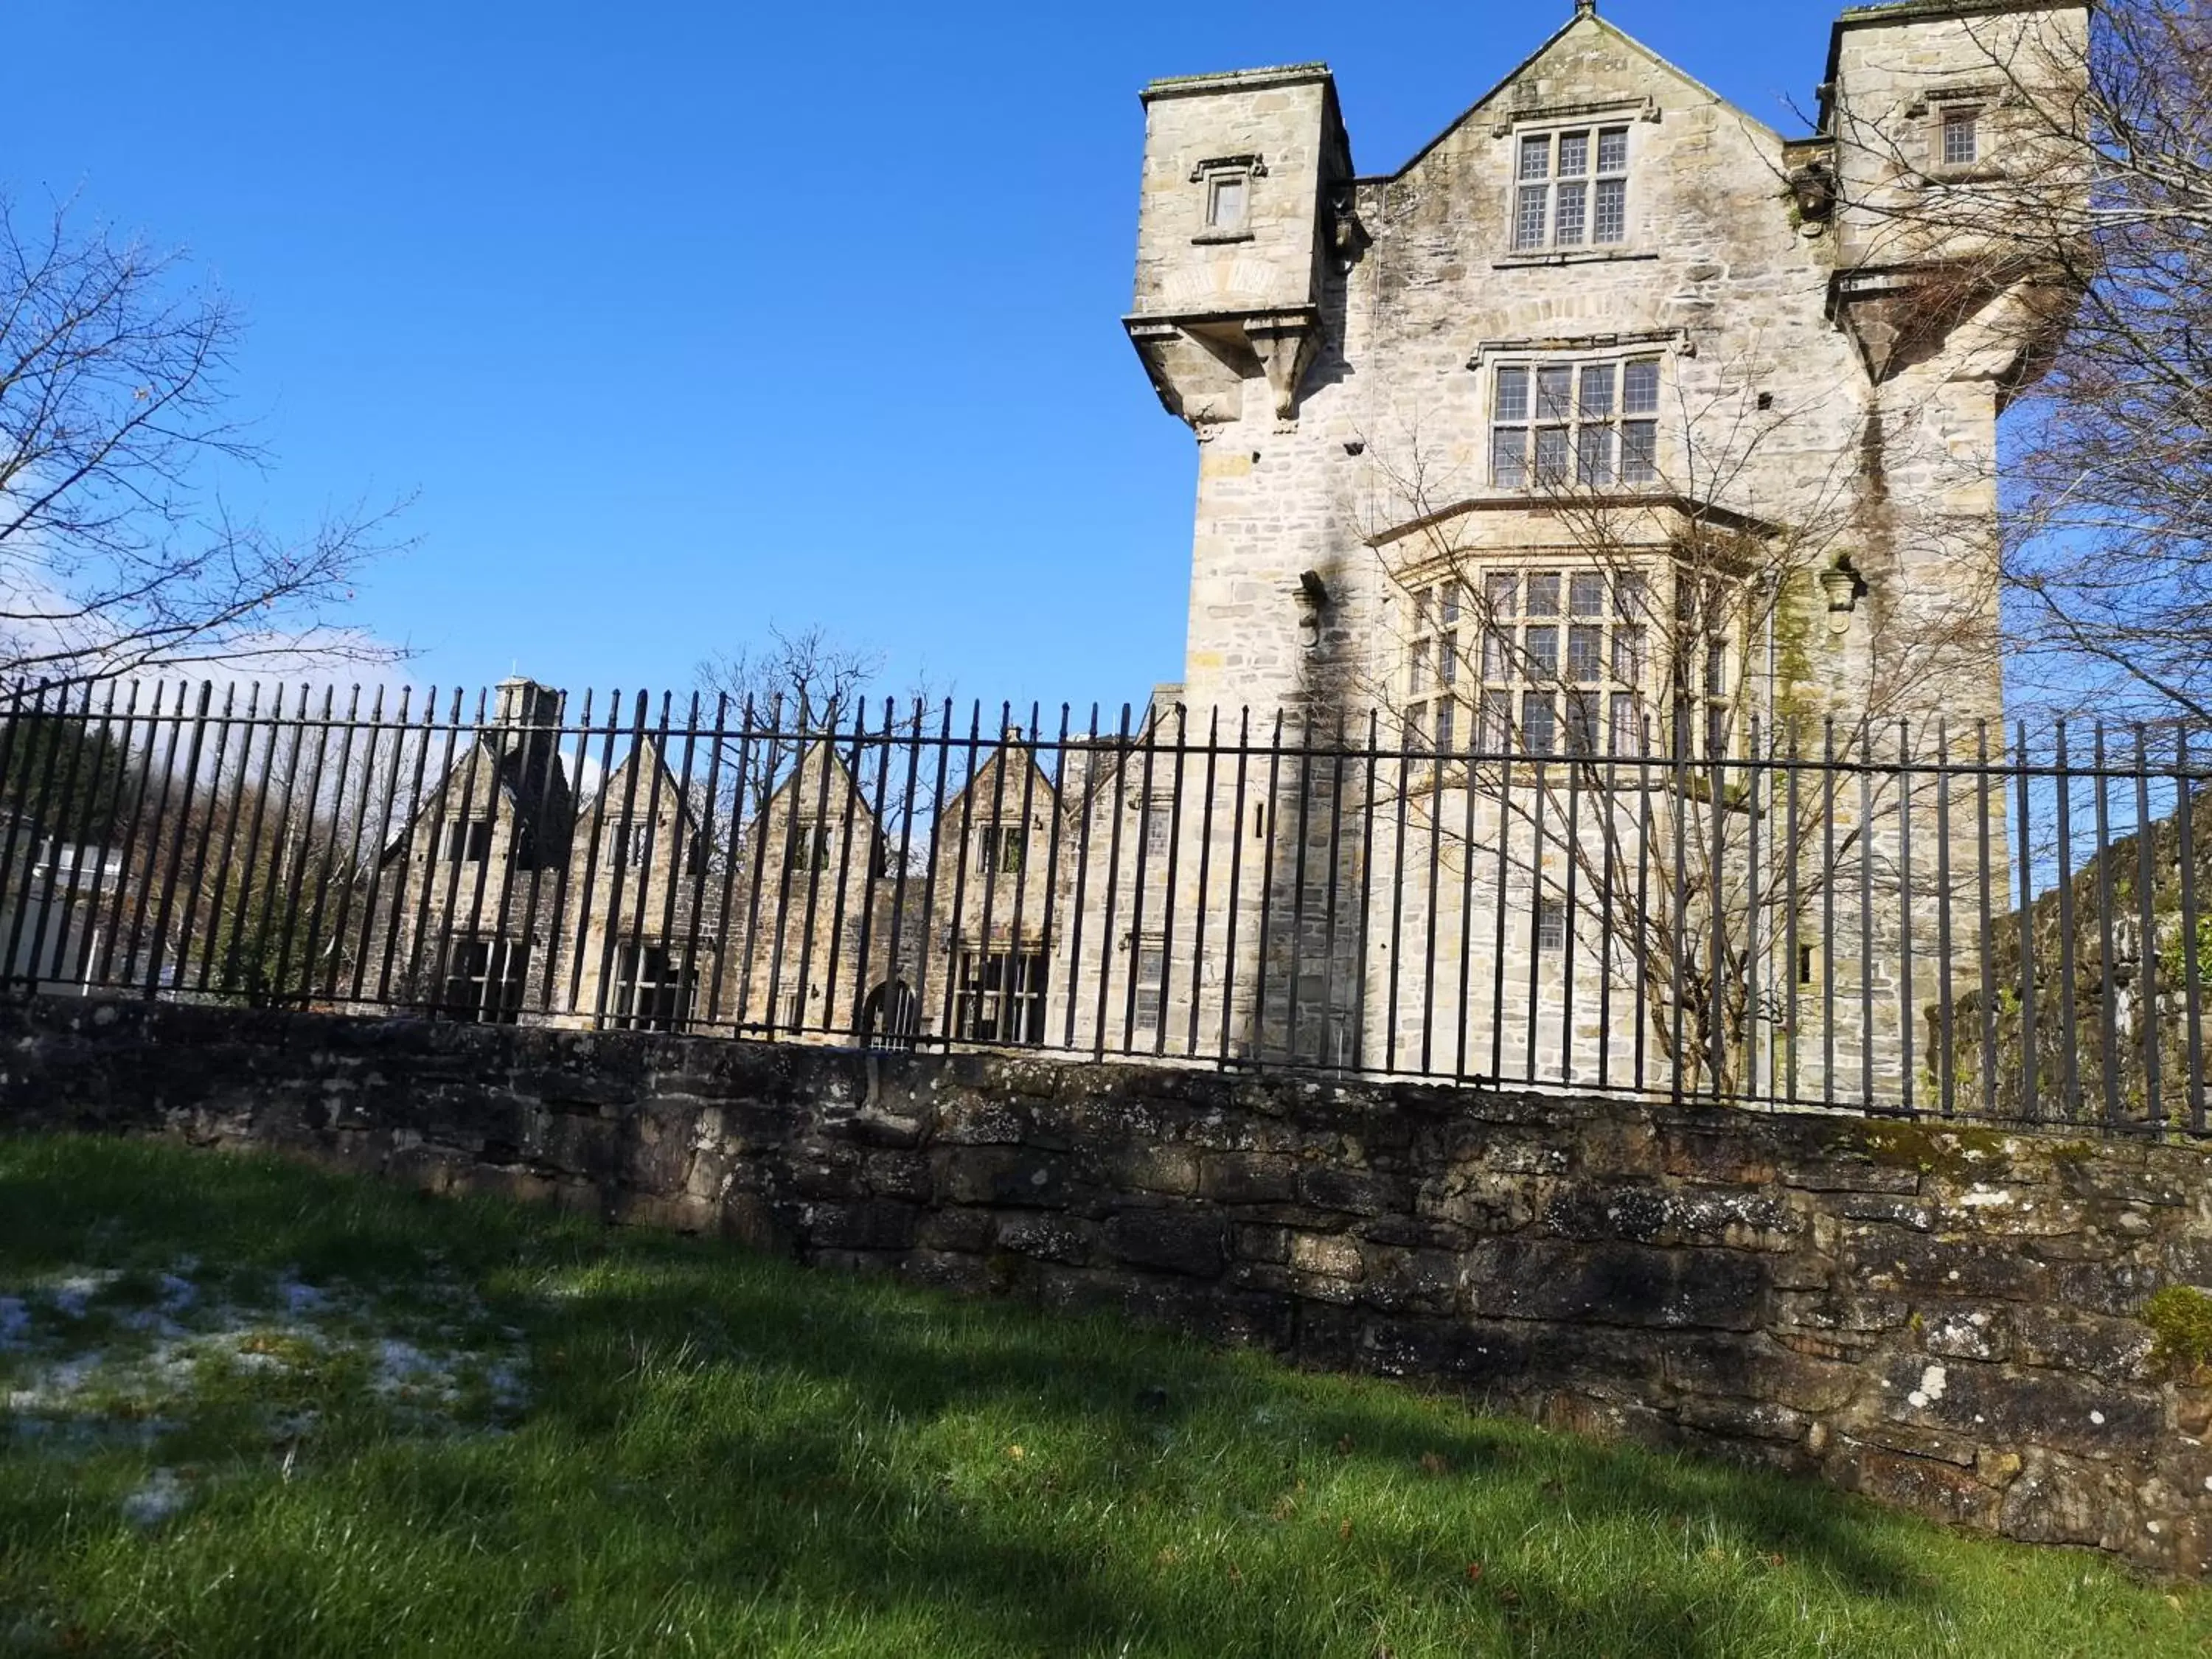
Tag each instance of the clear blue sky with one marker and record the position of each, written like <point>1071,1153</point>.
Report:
<point>682,318</point>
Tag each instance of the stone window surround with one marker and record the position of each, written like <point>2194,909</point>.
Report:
<point>1209,175</point>
<point>654,982</point>
<point>1615,457</point>
<point>1930,112</point>
<point>1531,119</point>
<point>1588,179</point>
<point>1001,849</point>
<point>1574,351</point>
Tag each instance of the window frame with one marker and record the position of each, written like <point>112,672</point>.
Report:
<point>809,845</point>
<point>483,979</point>
<point>999,995</point>
<point>658,1001</point>
<point>468,840</point>
<point>1565,659</point>
<point>1001,849</point>
<point>1547,190</point>
<point>1533,397</point>
<point>1950,118</point>
<point>1213,176</point>
<point>630,844</point>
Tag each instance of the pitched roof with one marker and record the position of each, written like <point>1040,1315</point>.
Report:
<point>1581,20</point>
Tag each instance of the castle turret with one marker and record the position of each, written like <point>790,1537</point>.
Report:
<point>1245,196</point>
<point>1955,167</point>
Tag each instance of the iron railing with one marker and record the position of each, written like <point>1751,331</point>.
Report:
<point>1989,923</point>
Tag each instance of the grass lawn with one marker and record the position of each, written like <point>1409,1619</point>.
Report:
<point>252,1409</point>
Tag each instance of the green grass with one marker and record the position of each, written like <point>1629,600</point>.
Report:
<point>591,1444</point>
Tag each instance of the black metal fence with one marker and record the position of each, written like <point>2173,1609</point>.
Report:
<point>1987,924</point>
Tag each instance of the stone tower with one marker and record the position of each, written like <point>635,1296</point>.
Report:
<point>1615,422</point>
<point>1819,351</point>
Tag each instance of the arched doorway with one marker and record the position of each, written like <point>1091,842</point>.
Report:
<point>890,1016</point>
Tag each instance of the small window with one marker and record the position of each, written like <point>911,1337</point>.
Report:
<point>629,844</point>
<point>468,842</point>
<point>1550,925</point>
<point>1001,851</point>
<point>1228,195</point>
<point>1961,137</point>
<point>1150,970</point>
<point>809,846</point>
<point>1159,825</point>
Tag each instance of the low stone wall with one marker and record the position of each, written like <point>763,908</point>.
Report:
<point>1942,1319</point>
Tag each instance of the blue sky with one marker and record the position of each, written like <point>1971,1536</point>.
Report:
<point>679,319</point>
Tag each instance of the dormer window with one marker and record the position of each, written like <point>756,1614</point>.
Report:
<point>1571,189</point>
<point>1227,182</point>
<point>1962,137</point>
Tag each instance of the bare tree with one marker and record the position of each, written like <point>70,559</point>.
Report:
<point>802,687</point>
<point>792,684</point>
<point>118,554</point>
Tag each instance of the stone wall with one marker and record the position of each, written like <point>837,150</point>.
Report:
<point>1941,1319</point>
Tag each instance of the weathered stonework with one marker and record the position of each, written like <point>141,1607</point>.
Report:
<point>1831,352</point>
<point>1942,1319</point>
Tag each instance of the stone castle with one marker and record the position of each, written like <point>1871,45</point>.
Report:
<point>1613,444</point>
<point>1604,322</point>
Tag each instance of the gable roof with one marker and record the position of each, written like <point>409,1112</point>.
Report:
<point>646,746</point>
<point>1581,20</point>
<point>1039,784</point>
<point>530,775</point>
<point>837,788</point>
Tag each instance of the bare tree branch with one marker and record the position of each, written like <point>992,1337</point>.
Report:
<point>118,554</point>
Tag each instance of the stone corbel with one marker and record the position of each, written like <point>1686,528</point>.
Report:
<point>1286,351</point>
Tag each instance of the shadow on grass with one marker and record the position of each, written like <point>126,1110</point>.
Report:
<point>698,1411</point>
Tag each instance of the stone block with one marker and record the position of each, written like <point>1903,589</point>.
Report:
<point>1925,1484</point>
<point>2088,1345</point>
<point>1717,1155</point>
<point>1248,1177</point>
<point>2018,1408</point>
<point>1048,1238</point>
<point>2057,1499</point>
<point>2115,1288</point>
<point>1748,1419</point>
<point>968,1230</point>
<point>1892,1260</point>
<point>1967,1333</point>
<point>1172,1170</point>
<point>1411,1281</point>
<point>1614,1284</point>
<point>1001,1175</point>
<point>1647,1213</point>
<point>967,1275</point>
<point>896,1175</point>
<point>1353,1192</point>
<point>1330,1255</point>
<point>1179,1242</point>
<point>872,1224</point>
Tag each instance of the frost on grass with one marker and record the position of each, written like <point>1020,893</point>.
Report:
<point>101,1360</point>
